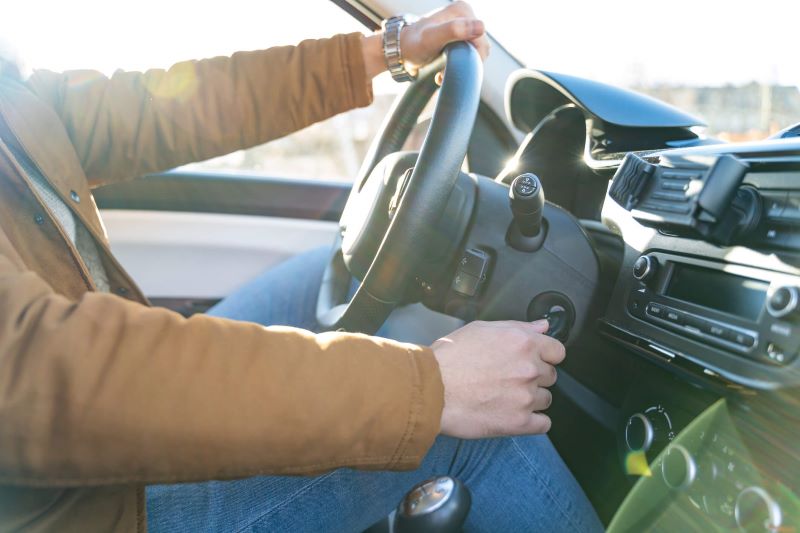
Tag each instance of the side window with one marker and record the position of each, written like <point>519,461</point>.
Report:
<point>329,150</point>
<point>158,34</point>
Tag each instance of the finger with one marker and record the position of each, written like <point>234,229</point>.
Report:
<point>482,45</point>
<point>460,29</point>
<point>538,423</point>
<point>541,400</point>
<point>551,351</point>
<point>547,374</point>
<point>532,329</point>
<point>540,326</point>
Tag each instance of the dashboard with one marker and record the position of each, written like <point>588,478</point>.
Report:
<point>699,384</point>
<point>715,284</point>
<point>709,288</point>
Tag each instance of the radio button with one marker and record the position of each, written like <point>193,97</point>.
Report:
<point>781,328</point>
<point>696,323</point>
<point>742,339</point>
<point>776,353</point>
<point>655,310</point>
<point>676,317</point>
<point>636,304</point>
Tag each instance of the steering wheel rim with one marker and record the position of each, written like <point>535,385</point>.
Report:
<point>434,176</point>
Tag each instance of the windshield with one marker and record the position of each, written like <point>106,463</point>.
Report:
<point>733,64</point>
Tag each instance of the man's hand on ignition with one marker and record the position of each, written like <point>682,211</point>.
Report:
<point>495,376</point>
<point>422,41</point>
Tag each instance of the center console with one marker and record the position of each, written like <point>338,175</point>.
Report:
<point>709,292</point>
<point>741,311</point>
<point>711,275</point>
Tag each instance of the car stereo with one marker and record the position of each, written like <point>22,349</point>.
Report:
<point>745,311</point>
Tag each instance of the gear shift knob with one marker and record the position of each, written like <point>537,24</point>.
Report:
<point>527,203</point>
<point>438,505</point>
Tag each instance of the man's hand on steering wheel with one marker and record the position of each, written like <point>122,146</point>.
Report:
<point>422,41</point>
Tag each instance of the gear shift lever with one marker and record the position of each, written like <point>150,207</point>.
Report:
<point>438,505</point>
<point>526,197</point>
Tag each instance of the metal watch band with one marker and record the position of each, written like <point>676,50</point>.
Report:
<point>391,48</point>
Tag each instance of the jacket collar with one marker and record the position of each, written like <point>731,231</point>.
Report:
<point>42,136</point>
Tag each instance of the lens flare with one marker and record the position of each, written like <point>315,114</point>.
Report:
<point>636,464</point>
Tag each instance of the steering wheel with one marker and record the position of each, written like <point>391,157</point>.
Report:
<point>389,222</point>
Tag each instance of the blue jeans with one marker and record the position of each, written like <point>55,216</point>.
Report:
<point>517,483</point>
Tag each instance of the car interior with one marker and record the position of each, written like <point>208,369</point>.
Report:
<point>668,263</point>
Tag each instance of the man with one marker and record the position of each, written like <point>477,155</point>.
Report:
<point>101,396</point>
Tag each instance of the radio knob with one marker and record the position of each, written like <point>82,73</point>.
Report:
<point>648,430</point>
<point>639,433</point>
<point>783,301</point>
<point>645,267</point>
<point>756,510</point>
<point>678,468</point>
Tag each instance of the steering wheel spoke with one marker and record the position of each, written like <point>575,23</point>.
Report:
<point>384,251</point>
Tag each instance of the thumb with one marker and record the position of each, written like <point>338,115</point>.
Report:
<point>541,326</point>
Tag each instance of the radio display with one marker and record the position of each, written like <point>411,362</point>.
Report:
<point>743,297</point>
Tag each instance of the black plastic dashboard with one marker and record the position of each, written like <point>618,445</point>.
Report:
<point>709,290</point>
<point>752,345</point>
<point>702,371</point>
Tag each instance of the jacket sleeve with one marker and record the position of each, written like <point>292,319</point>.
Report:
<point>106,391</point>
<point>136,123</point>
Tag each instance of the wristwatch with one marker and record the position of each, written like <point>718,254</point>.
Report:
<point>391,48</point>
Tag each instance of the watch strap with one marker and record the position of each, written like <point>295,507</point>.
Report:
<point>392,54</point>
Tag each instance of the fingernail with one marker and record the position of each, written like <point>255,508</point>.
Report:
<point>541,323</point>
<point>477,28</point>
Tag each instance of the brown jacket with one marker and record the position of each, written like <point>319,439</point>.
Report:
<point>100,394</point>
